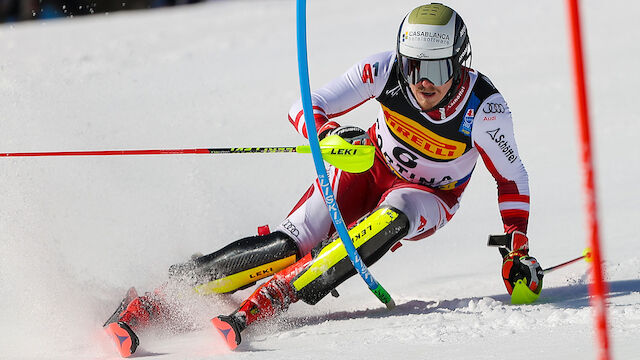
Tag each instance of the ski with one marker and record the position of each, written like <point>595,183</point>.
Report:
<point>228,329</point>
<point>123,337</point>
<point>130,295</point>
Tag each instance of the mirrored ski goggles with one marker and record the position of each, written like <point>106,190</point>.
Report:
<point>437,72</point>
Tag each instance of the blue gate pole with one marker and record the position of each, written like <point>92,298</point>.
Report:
<point>323,178</point>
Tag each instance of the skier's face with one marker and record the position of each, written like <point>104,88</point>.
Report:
<point>428,95</point>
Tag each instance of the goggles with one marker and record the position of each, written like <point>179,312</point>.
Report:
<point>437,72</point>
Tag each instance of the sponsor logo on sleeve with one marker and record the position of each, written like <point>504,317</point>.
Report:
<point>368,74</point>
<point>503,144</point>
<point>494,108</point>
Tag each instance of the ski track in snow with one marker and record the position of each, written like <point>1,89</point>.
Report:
<point>75,233</point>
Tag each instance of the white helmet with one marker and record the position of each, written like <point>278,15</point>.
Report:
<point>433,44</point>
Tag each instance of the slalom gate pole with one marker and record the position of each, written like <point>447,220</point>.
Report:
<point>323,178</point>
<point>598,287</point>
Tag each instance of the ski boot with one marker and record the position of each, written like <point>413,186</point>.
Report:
<point>270,299</point>
<point>317,274</point>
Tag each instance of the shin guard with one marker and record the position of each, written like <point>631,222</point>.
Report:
<point>327,266</point>
<point>330,265</point>
<point>239,264</point>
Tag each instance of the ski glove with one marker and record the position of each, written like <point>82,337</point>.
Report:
<point>518,265</point>
<point>351,134</point>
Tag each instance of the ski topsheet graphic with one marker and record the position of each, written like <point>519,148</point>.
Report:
<point>123,337</point>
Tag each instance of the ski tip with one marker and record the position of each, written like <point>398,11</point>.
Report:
<point>132,293</point>
<point>123,337</point>
<point>228,332</point>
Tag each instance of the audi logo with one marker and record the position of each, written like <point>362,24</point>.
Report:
<point>493,108</point>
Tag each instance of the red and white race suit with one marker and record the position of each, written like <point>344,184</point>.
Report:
<point>424,160</point>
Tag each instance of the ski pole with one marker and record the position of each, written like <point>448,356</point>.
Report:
<point>503,242</point>
<point>586,254</point>
<point>231,150</point>
<point>521,293</point>
<point>335,150</point>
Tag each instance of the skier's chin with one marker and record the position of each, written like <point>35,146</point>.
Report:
<point>427,100</point>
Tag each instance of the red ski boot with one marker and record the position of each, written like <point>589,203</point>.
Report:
<point>269,300</point>
<point>140,311</point>
<point>134,312</point>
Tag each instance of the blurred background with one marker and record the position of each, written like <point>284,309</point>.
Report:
<point>21,10</point>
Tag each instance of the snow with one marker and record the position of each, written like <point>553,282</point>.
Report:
<point>75,233</point>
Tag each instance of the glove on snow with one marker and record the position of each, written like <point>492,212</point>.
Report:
<point>351,134</point>
<point>517,265</point>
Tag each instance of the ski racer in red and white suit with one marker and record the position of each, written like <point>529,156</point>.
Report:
<point>437,116</point>
<point>424,160</point>
<point>428,139</point>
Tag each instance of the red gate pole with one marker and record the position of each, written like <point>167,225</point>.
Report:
<point>598,287</point>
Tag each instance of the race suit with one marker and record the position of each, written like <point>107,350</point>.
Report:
<point>424,160</point>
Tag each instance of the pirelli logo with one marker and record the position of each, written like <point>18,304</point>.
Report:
<point>421,138</point>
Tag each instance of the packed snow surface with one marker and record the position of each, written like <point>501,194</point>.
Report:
<point>76,232</point>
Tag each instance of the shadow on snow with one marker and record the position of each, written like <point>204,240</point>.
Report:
<point>572,296</point>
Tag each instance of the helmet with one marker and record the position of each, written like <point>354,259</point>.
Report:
<point>433,44</point>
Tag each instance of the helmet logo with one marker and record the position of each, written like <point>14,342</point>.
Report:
<point>427,36</point>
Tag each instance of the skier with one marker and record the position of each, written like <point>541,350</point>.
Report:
<point>437,116</point>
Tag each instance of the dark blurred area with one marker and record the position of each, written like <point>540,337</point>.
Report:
<point>20,10</point>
